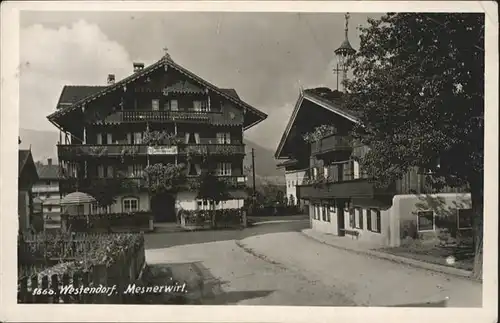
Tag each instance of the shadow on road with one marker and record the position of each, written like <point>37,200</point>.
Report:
<point>201,287</point>
<point>171,239</point>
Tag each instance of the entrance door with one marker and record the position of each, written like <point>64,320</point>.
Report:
<point>163,208</point>
<point>340,219</point>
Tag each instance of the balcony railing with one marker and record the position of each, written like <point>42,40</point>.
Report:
<point>71,184</point>
<point>215,149</point>
<point>70,152</point>
<point>330,144</point>
<point>238,181</point>
<point>160,116</point>
<point>192,182</point>
<point>346,189</point>
<point>45,188</point>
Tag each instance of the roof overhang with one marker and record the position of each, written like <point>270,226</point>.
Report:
<point>166,63</point>
<point>321,103</point>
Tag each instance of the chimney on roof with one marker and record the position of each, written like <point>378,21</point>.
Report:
<point>49,161</point>
<point>138,67</point>
<point>111,79</point>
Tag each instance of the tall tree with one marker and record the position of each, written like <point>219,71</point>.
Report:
<point>418,87</point>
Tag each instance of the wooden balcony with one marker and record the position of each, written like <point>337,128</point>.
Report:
<point>238,181</point>
<point>213,149</point>
<point>71,152</point>
<point>358,188</point>
<point>331,144</point>
<point>68,185</point>
<point>77,152</point>
<point>135,116</point>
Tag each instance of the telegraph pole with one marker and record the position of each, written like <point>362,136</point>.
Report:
<point>253,173</point>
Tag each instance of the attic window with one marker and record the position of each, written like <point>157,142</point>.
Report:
<point>138,67</point>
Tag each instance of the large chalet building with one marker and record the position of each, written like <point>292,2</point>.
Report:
<point>340,197</point>
<point>104,130</point>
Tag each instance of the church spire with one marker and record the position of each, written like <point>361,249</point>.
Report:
<point>343,53</point>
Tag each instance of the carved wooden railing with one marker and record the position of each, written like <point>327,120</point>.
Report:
<point>331,143</point>
<point>158,116</point>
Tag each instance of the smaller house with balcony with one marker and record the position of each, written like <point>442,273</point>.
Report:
<point>46,190</point>
<point>163,118</point>
<point>341,198</point>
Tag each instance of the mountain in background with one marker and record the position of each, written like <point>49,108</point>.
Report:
<point>43,146</point>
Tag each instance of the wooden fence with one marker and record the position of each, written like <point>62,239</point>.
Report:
<point>71,282</point>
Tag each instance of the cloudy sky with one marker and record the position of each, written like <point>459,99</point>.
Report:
<point>266,57</point>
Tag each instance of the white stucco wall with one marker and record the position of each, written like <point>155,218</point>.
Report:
<point>398,217</point>
<point>405,208</point>
<point>186,200</point>
<point>292,179</point>
<point>144,202</point>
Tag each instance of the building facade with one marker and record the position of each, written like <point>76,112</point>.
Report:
<point>46,189</point>
<point>27,176</point>
<point>162,114</point>
<point>342,200</point>
<point>295,175</point>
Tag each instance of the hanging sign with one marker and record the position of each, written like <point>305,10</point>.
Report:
<point>162,150</point>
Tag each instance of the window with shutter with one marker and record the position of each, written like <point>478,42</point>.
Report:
<point>358,218</point>
<point>378,221</point>
<point>100,171</point>
<point>224,169</point>
<point>351,218</point>
<point>99,138</point>
<point>369,225</point>
<point>355,170</point>
<point>137,138</point>
<point>174,105</point>
<point>348,171</point>
<point>192,170</point>
<point>109,138</point>
<point>109,171</point>
<point>223,138</point>
<point>155,105</point>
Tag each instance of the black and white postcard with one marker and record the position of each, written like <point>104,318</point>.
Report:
<point>249,161</point>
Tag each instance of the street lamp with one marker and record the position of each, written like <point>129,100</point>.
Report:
<point>343,53</point>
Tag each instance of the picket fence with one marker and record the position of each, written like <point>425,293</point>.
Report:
<point>37,285</point>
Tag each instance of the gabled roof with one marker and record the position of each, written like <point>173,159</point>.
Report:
<point>46,172</point>
<point>74,93</point>
<point>166,62</point>
<point>26,165</point>
<point>288,162</point>
<point>322,97</point>
<point>24,156</point>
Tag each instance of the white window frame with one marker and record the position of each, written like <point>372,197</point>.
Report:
<point>207,205</point>
<point>99,138</point>
<point>137,138</point>
<point>358,218</point>
<point>355,170</point>
<point>96,209</point>
<point>223,138</point>
<point>155,105</point>
<point>174,105</point>
<point>224,169</point>
<point>433,221</point>
<point>374,214</point>
<point>100,171</point>
<point>130,201</point>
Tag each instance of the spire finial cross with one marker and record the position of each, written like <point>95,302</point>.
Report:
<point>347,16</point>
